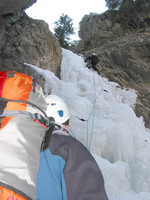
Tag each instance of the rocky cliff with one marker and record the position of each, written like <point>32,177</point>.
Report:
<point>123,58</point>
<point>12,6</point>
<point>25,40</point>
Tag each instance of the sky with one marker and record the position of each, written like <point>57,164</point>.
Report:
<point>115,136</point>
<point>50,11</point>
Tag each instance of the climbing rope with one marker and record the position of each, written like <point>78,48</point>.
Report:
<point>89,138</point>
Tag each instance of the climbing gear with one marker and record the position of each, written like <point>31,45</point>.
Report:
<point>9,194</point>
<point>57,109</point>
<point>17,92</point>
<point>23,124</point>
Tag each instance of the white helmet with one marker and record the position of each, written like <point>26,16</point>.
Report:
<point>57,109</point>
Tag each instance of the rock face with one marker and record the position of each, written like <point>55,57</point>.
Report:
<point>125,60</point>
<point>12,6</point>
<point>96,29</point>
<point>25,40</point>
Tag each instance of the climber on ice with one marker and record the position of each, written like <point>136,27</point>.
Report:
<point>67,170</point>
<point>92,61</point>
<point>49,163</point>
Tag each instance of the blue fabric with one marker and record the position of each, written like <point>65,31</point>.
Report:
<point>50,180</point>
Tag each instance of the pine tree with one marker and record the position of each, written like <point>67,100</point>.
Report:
<point>63,29</point>
<point>113,4</point>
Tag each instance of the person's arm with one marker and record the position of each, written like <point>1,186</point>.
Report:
<point>82,175</point>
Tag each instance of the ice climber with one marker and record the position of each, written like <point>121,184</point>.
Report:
<point>67,170</point>
<point>92,61</point>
